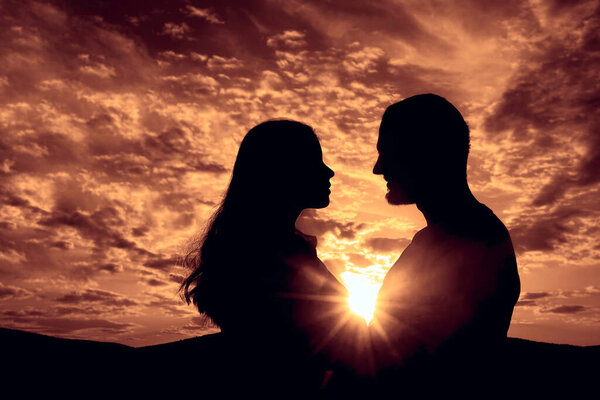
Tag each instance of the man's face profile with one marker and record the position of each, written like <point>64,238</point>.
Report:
<point>395,165</point>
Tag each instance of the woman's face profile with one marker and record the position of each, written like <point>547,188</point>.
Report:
<point>307,182</point>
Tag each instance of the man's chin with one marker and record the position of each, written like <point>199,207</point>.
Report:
<point>396,199</point>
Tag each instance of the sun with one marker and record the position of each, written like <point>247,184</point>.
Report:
<point>362,294</point>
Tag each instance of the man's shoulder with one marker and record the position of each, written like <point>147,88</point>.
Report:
<point>481,225</point>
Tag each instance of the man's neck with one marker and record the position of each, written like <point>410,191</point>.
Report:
<point>447,205</point>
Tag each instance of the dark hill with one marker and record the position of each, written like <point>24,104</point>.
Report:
<point>39,365</point>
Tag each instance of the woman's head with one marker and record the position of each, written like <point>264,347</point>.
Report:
<point>280,164</point>
<point>278,172</point>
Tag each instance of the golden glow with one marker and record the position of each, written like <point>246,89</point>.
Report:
<point>362,293</point>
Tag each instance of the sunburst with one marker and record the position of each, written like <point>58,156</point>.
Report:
<point>362,294</point>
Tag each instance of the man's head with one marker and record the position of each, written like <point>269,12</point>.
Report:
<point>423,147</point>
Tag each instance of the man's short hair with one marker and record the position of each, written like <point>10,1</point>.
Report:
<point>430,125</point>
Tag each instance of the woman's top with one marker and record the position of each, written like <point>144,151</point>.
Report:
<point>284,314</point>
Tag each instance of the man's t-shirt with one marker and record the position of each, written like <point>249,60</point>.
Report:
<point>451,293</point>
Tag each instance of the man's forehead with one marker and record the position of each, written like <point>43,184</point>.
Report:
<point>388,134</point>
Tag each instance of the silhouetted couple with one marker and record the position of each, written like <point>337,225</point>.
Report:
<point>443,310</point>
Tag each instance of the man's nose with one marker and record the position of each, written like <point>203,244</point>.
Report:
<point>377,168</point>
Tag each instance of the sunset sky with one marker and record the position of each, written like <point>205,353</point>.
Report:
<point>120,122</point>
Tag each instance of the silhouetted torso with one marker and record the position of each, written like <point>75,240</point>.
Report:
<point>448,299</point>
<point>277,314</point>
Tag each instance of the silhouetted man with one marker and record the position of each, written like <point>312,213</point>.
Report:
<point>445,306</point>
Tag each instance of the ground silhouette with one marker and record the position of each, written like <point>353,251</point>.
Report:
<point>39,365</point>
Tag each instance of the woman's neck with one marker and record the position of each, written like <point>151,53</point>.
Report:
<point>280,223</point>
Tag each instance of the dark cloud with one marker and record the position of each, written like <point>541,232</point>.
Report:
<point>97,296</point>
<point>96,226</point>
<point>23,313</point>
<point>180,201</point>
<point>12,292</point>
<point>528,299</point>
<point>170,153</point>
<point>53,322</point>
<point>565,309</point>
<point>386,245</point>
<point>156,282</point>
<point>176,278</point>
<point>71,325</point>
<point>40,153</point>
<point>81,311</point>
<point>534,295</point>
<point>547,231</point>
<point>140,231</point>
<point>525,303</point>
<point>173,306</point>
<point>111,268</point>
<point>163,264</point>
<point>61,244</point>
<point>556,95</point>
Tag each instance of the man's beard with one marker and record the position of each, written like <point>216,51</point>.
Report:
<point>398,196</point>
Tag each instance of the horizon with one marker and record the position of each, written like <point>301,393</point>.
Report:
<point>119,127</point>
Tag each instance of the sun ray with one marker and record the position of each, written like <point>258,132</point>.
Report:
<point>362,294</point>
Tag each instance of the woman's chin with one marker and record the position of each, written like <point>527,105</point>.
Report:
<point>321,203</point>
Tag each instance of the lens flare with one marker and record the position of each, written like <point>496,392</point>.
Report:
<point>362,294</point>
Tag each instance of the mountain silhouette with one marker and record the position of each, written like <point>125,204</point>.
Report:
<point>39,365</point>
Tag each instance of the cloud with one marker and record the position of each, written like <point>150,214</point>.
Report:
<point>97,296</point>
<point>170,306</point>
<point>12,292</point>
<point>525,303</point>
<point>562,227</point>
<point>386,245</point>
<point>193,84</point>
<point>528,299</point>
<point>111,268</point>
<point>176,278</point>
<point>204,13</point>
<point>311,224</point>
<point>551,106</point>
<point>176,31</point>
<point>99,70</point>
<point>163,264</point>
<point>287,39</point>
<point>352,21</point>
<point>94,227</point>
<point>363,61</point>
<point>358,259</point>
<point>224,63</point>
<point>69,325</point>
<point>534,295</point>
<point>156,282</point>
<point>570,309</point>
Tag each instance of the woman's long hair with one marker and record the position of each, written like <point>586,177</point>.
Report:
<point>255,194</point>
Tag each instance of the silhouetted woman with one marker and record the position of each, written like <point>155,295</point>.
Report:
<point>257,277</point>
